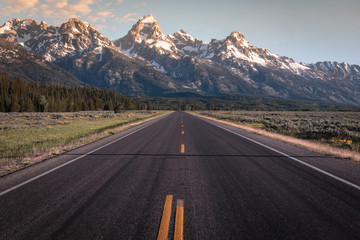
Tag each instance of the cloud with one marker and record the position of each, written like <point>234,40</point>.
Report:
<point>61,4</point>
<point>101,16</point>
<point>130,17</point>
<point>100,27</point>
<point>16,6</point>
<point>119,1</point>
<point>61,10</point>
<point>64,9</point>
<point>82,7</point>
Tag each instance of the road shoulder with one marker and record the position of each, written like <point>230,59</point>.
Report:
<point>24,174</point>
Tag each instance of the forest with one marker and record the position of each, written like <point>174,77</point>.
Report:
<point>29,96</point>
<point>20,96</point>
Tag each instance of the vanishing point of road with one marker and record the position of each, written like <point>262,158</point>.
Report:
<point>183,177</point>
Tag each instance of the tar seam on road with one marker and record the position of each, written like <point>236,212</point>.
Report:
<point>292,158</point>
<point>71,161</point>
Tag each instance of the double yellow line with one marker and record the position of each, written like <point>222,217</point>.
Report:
<point>179,217</point>
<point>165,219</point>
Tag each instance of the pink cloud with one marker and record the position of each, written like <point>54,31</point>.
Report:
<point>61,4</point>
<point>130,17</point>
<point>64,9</point>
<point>16,6</point>
<point>82,7</point>
<point>101,16</point>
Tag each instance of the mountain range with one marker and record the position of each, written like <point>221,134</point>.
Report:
<point>147,62</point>
<point>15,60</point>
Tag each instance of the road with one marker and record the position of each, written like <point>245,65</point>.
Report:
<point>231,187</point>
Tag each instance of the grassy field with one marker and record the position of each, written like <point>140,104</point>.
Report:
<point>28,137</point>
<point>338,129</point>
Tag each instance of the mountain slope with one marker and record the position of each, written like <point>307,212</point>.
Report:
<point>145,41</point>
<point>54,43</point>
<point>233,66</point>
<point>341,70</point>
<point>15,60</point>
<point>147,62</point>
<point>80,49</point>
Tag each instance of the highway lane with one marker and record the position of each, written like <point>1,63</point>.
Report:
<point>231,187</point>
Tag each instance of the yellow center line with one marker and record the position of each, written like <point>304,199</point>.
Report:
<point>182,149</point>
<point>182,132</point>
<point>165,219</point>
<point>179,220</point>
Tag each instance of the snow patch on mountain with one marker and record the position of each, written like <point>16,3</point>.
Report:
<point>158,66</point>
<point>163,44</point>
<point>5,28</point>
<point>147,19</point>
<point>24,38</point>
<point>232,51</point>
<point>226,66</point>
<point>70,38</point>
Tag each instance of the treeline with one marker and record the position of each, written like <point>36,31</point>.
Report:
<point>250,103</point>
<point>20,96</point>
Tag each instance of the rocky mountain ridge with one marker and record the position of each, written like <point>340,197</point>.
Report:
<point>236,66</point>
<point>80,49</point>
<point>147,62</point>
<point>15,60</point>
<point>147,32</point>
<point>53,42</point>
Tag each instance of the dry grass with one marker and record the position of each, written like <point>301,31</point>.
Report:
<point>309,144</point>
<point>27,138</point>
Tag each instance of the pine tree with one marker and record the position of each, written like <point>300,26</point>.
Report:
<point>15,105</point>
<point>42,104</point>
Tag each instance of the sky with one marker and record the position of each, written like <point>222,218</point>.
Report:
<point>307,31</point>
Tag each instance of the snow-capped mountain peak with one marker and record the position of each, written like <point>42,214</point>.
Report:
<point>145,40</point>
<point>343,70</point>
<point>186,44</point>
<point>146,33</point>
<point>146,28</point>
<point>82,35</point>
<point>183,36</point>
<point>238,40</point>
<point>148,19</point>
<point>54,42</point>
<point>179,62</point>
<point>75,26</point>
<point>22,30</point>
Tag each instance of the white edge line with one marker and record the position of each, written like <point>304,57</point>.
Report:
<point>71,161</point>
<point>288,156</point>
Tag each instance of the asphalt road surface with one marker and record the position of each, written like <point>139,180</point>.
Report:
<point>234,185</point>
